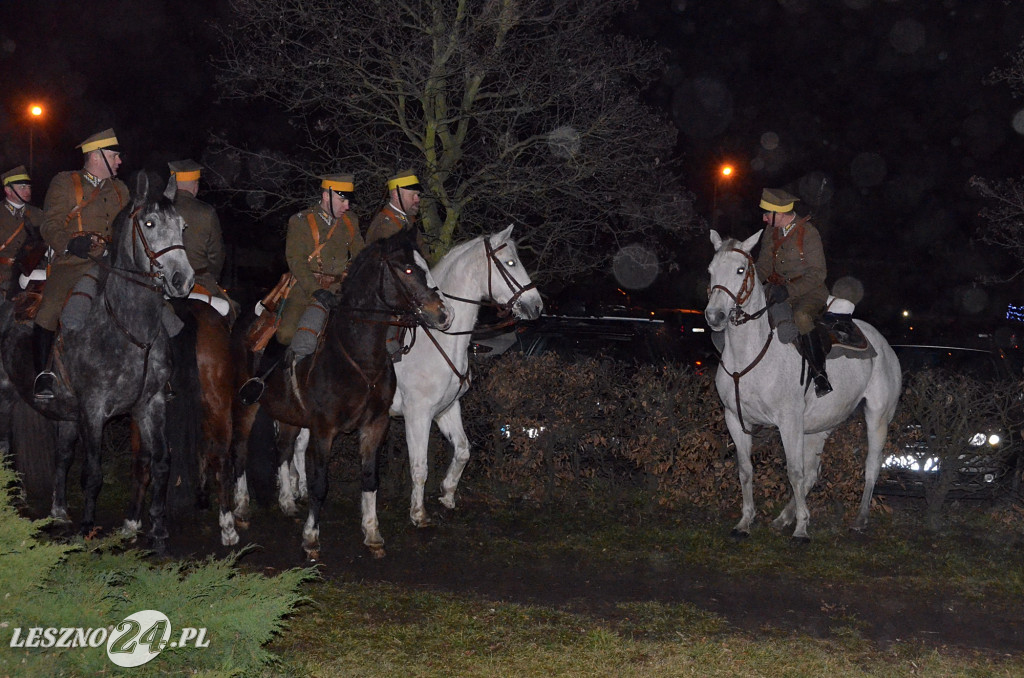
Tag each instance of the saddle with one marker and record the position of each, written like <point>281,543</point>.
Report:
<point>268,314</point>
<point>841,337</point>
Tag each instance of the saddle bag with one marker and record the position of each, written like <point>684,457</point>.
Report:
<point>268,314</point>
<point>27,302</point>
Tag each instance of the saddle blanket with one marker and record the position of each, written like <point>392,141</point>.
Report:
<point>220,304</point>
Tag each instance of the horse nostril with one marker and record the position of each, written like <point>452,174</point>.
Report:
<point>178,280</point>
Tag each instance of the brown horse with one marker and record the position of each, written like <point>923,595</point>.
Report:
<point>349,382</point>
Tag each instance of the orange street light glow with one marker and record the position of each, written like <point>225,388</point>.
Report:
<point>726,170</point>
<point>36,110</point>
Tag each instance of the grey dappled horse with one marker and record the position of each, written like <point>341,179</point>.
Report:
<point>118,362</point>
<point>758,381</point>
<point>434,374</point>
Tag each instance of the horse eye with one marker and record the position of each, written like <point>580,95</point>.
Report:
<point>510,262</point>
<point>741,270</point>
<point>149,223</point>
<point>408,270</point>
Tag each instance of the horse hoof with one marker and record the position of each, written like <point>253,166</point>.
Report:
<point>425,521</point>
<point>447,502</point>
<point>229,539</point>
<point>241,523</point>
<point>377,551</point>
<point>801,541</point>
<point>738,535</point>
<point>312,556</point>
<point>60,517</point>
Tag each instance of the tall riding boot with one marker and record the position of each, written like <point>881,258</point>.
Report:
<point>252,389</point>
<point>42,347</point>
<point>815,354</point>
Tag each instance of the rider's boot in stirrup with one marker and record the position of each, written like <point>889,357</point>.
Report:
<point>42,346</point>
<point>252,389</point>
<point>816,363</point>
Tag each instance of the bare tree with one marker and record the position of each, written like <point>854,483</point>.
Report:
<point>1004,217</point>
<point>522,111</point>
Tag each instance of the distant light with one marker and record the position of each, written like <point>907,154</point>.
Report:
<point>906,314</point>
<point>727,170</point>
<point>36,110</point>
<point>994,439</point>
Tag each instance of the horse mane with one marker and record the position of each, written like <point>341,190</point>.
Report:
<point>360,280</point>
<point>454,254</point>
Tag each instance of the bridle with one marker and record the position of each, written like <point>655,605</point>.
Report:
<point>504,310</point>
<point>737,316</point>
<point>138,235</point>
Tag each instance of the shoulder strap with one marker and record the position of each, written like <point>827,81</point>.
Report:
<point>317,245</point>
<point>13,235</point>
<point>76,212</point>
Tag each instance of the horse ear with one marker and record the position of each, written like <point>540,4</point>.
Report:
<point>140,194</point>
<point>502,236</point>
<point>716,239</point>
<point>749,243</point>
<point>172,188</point>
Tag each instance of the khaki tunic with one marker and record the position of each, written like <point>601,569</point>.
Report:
<point>101,205</point>
<point>341,243</point>
<point>204,243</point>
<point>16,224</point>
<point>389,221</point>
<point>797,260</point>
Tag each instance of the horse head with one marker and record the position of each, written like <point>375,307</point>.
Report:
<point>403,284</point>
<point>508,283</point>
<point>148,236</point>
<point>733,284</point>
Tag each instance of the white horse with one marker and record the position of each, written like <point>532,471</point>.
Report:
<point>434,373</point>
<point>758,381</point>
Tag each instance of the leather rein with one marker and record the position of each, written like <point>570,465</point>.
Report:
<point>737,317</point>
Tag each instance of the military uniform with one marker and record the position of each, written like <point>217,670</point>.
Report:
<point>392,219</point>
<point>796,259</point>
<point>17,224</point>
<point>204,243</point>
<point>318,250</point>
<point>76,202</point>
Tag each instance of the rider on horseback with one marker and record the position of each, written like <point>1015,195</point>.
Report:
<point>79,210</point>
<point>321,242</point>
<point>400,212</point>
<point>19,221</point>
<point>204,243</point>
<point>791,264</point>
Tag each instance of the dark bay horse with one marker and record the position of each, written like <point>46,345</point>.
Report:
<point>118,362</point>
<point>349,382</point>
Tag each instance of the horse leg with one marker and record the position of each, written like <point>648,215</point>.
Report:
<point>417,438</point>
<point>91,427</point>
<point>813,445</point>
<point>450,423</point>
<point>317,455</point>
<point>150,417</point>
<point>67,436</point>
<point>877,421</point>
<point>285,439</point>
<point>371,438</point>
<point>792,436</point>
<point>139,484</point>
<point>744,442</point>
<point>300,489</point>
<point>242,421</point>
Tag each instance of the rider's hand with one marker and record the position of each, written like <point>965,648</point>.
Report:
<point>80,245</point>
<point>325,298</point>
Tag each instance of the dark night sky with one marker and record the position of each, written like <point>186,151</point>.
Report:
<point>883,99</point>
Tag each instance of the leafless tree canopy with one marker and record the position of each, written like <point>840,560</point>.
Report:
<point>522,111</point>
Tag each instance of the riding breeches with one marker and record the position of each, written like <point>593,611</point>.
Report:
<point>60,281</point>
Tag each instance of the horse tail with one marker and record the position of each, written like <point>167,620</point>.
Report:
<point>184,410</point>
<point>261,463</point>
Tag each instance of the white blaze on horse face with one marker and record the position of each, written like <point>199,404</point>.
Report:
<point>161,232</point>
<point>506,262</point>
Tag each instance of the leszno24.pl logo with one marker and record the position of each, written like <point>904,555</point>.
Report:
<point>137,639</point>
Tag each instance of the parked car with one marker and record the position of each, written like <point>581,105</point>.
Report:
<point>991,458</point>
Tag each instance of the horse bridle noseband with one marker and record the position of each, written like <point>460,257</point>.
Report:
<point>737,316</point>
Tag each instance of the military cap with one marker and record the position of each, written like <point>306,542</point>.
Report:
<point>18,175</point>
<point>339,183</point>
<point>185,170</point>
<point>777,200</point>
<point>105,139</point>
<point>405,179</point>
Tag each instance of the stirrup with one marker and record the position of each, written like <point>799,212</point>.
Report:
<point>44,385</point>
<point>251,391</point>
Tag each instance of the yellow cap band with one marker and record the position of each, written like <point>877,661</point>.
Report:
<point>16,177</point>
<point>340,186</point>
<point>99,143</point>
<point>192,175</point>
<point>402,181</point>
<point>765,205</point>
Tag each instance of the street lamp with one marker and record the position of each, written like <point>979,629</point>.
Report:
<point>35,111</point>
<point>724,173</point>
